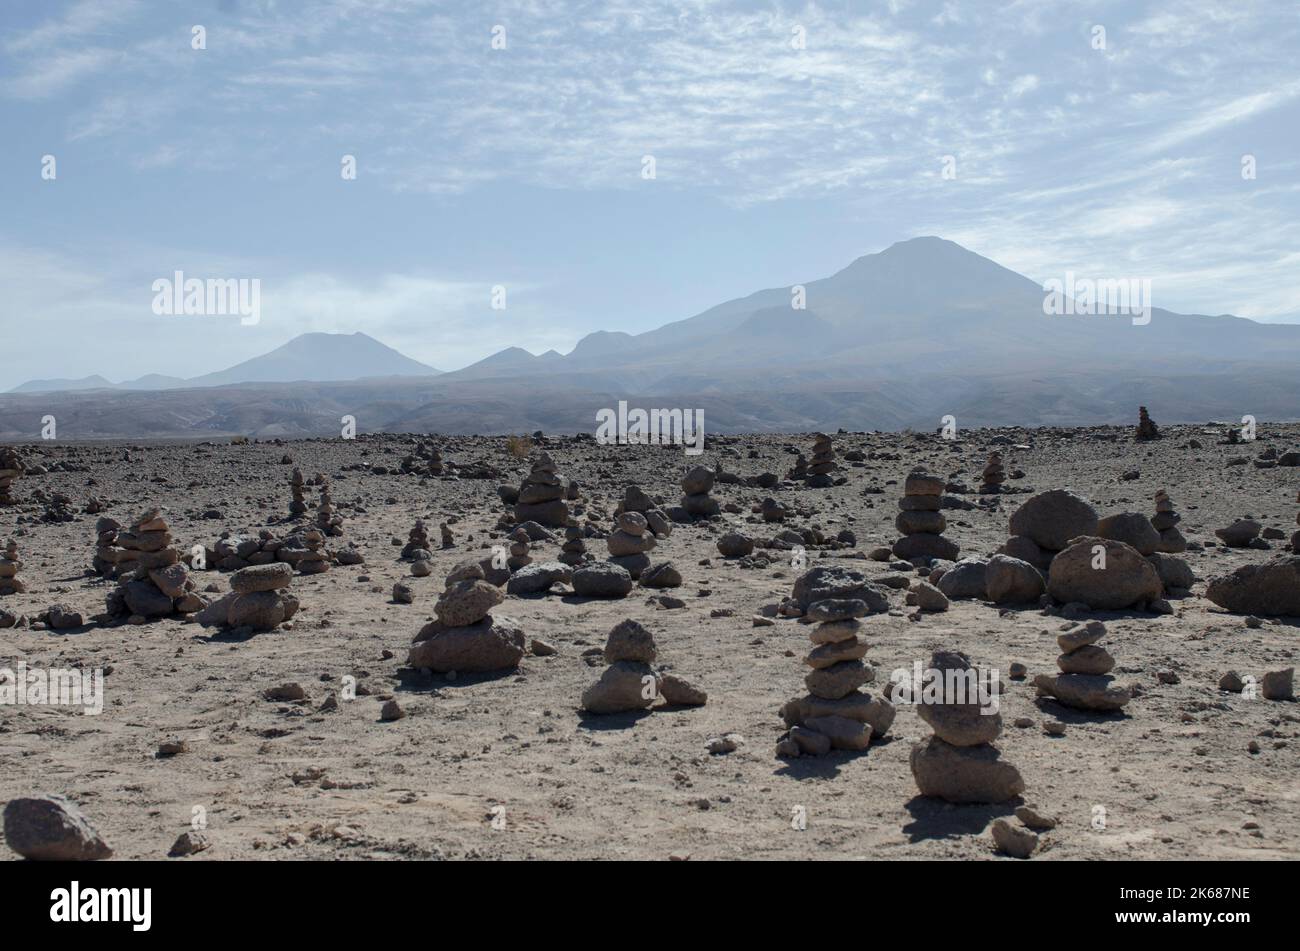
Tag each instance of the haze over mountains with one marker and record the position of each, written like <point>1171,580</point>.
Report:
<point>897,339</point>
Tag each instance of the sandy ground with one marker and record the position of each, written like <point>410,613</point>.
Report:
<point>282,780</point>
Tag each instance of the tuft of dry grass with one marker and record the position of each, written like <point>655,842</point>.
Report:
<point>519,446</point>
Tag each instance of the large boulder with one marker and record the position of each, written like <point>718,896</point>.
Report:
<point>1051,519</point>
<point>1103,574</point>
<point>1240,533</point>
<point>538,577</point>
<point>490,644</point>
<point>624,686</point>
<point>50,828</point>
<point>467,602</point>
<point>1131,528</point>
<point>1174,573</point>
<point>1084,691</point>
<point>270,577</point>
<point>923,546</point>
<point>1272,588</point>
<point>602,580</point>
<point>839,582</point>
<point>964,774</point>
<point>966,579</point>
<point>1009,580</point>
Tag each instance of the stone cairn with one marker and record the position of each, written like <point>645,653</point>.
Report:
<point>152,581</point>
<point>10,583</point>
<point>1084,682</point>
<point>306,552</point>
<point>258,599</point>
<point>464,637</point>
<point>327,522</point>
<point>106,550</point>
<point>417,539</point>
<point>519,556</point>
<point>444,533</point>
<point>298,506</point>
<point>1165,521</point>
<point>921,522</point>
<point>823,463</point>
<point>629,543</point>
<point>11,467</point>
<point>799,471</point>
<point>629,683</point>
<point>994,475</point>
<point>835,714</point>
<point>1146,429</point>
<point>541,497</point>
<point>574,550</point>
<point>696,500</point>
<point>959,763</point>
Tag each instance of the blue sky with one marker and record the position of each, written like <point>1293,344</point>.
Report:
<point>523,166</point>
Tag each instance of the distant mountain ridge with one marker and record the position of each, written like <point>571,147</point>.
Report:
<point>896,339</point>
<point>310,357</point>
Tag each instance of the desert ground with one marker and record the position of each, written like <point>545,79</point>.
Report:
<point>506,766</point>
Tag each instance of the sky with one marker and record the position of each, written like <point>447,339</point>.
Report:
<point>508,145</point>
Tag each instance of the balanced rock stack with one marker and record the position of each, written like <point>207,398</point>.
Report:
<point>465,637</point>
<point>1165,521</point>
<point>823,463</point>
<point>1084,682</point>
<point>799,471</point>
<point>629,542</point>
<point>258,599</point>
<point>327,522</point>
<point>519,556</point>
<point>9,565</point>
<point>921,521</point>
<point>107,552</point>
<point>435,460</point>
<point>994,475</point>
<point>299,504</point>
<point>1146,429</point>
<point>306,552</point>
<point>835,714</point>
<point>541,497</point>
<point>959,763</point>
<point>574,549</point>
<point>629,682</point>
<point>417,539</point>
<point>696,499</point>
<point>11,467</point>
<point>160,584</point>
<point>635,500</point>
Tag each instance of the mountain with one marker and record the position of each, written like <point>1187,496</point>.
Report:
<point>315,357</point>
<point>897,339</point>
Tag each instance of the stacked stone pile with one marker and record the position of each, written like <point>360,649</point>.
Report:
<point>444,532</point>
<point>1084,682</point>
<point>629,543</point>
<point>823,463</point>
<point>574,550</point>
<point>258,599</point>
<point>921,522</point>
<point>106,550</point>
<point>635,500</point>
<point>519,556</point>
<point>1165,522</point>
<point>298,505</point>
<point>799,471</point>
<point>152,581</point>
<point>696,500</point>
<point>464,637</point>
<point>417,539</point>
<point>328,522</point>
<point>541,497</point>
<point>11,468</point>
<point>10,583</point>
<point>835,714</point>
<point>994,475</point>
<point>959,763</point>
<point>1146,428</point>
<point>630,683</point>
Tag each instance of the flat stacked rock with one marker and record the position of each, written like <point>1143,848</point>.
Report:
<point>799,471</point>
<point>835,714</point>
<point>298,506</point>
<point>152,580</point>
<point>306,552</point>
<point>519,556</point>
<point>9,565</point>
<point>1084,682</point>
<point>629,543</point>
<point>11,468</point>
<point>993,476</point>
<point>921,521</point>
<point>629,683</point>
<point>1165,523</point>
<point>959,763</point>
<point>106,530</point>
<point>465,637</point>
<point>417,539</point>
<point>1146,429</point>
<point>574,550</point>
<point>823,463</point>
<point>328,523</point>
<point>258,599</point>
<point>696,500</point>
<point>435,460</point>
<point>541,497</point>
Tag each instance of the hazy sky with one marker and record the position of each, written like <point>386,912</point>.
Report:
<point>523,166</point>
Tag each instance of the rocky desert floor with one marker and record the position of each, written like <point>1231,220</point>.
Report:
<point>1173,773</point>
